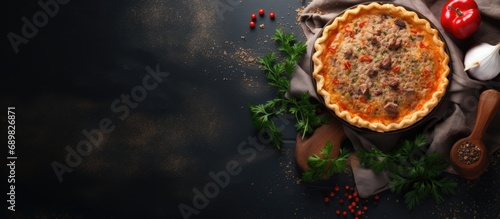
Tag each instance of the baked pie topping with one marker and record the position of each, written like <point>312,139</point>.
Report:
<point>380,66</point>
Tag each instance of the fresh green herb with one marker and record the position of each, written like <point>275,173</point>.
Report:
<point>374,159</point>
<point>279,74</point>
<point>262,119</point>
<point>323,166</point>
<point>412,172</point>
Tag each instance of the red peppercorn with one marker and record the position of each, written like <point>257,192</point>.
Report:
<point>346,187</point>
<point>326,199</point>
<point>360,212</point>
<point>332,194</point>
<point>352,210</point>
<point>336,188</point>
<point>356,218</point>
<point>337,212</point>
<point>344,213</point>
<point>376,197</point>
<point>356,199</point>
<point>355,194</point>
<point>349,197</point>
<point>253,16</point>
<point>365,208</point>
<point>353,204</point>
<point>341,201</point>
<point>349,207</point>
<point>261,12</point>
<point>346,194</point>
<point>272,15</point>
<point>252,24</point>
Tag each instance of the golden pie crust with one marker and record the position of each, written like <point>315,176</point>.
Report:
<point>380,67</point>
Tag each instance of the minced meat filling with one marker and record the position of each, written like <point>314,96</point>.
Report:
<point>380,67</point>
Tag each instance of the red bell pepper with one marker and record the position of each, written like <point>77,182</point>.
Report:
<point>460,18</point>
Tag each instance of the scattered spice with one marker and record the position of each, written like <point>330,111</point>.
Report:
<point>245,57</point>
<point>261,12</point>
<point>299,12</point>
<point>355,206</point>
<point>468,153</point>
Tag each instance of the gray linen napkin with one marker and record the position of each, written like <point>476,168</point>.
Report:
<point>451,121</point>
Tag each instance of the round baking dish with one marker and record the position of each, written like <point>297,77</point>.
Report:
<point>399,132</point>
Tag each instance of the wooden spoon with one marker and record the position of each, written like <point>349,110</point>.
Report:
<point>489,103</point>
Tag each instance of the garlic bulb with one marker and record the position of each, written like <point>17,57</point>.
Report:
<point>483,61</point>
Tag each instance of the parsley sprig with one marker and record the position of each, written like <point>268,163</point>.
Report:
<point>411,171</point>
<point>279,72</point>
<point>323,166</point>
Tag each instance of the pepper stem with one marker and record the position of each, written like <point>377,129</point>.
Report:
<point>459,13</point>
